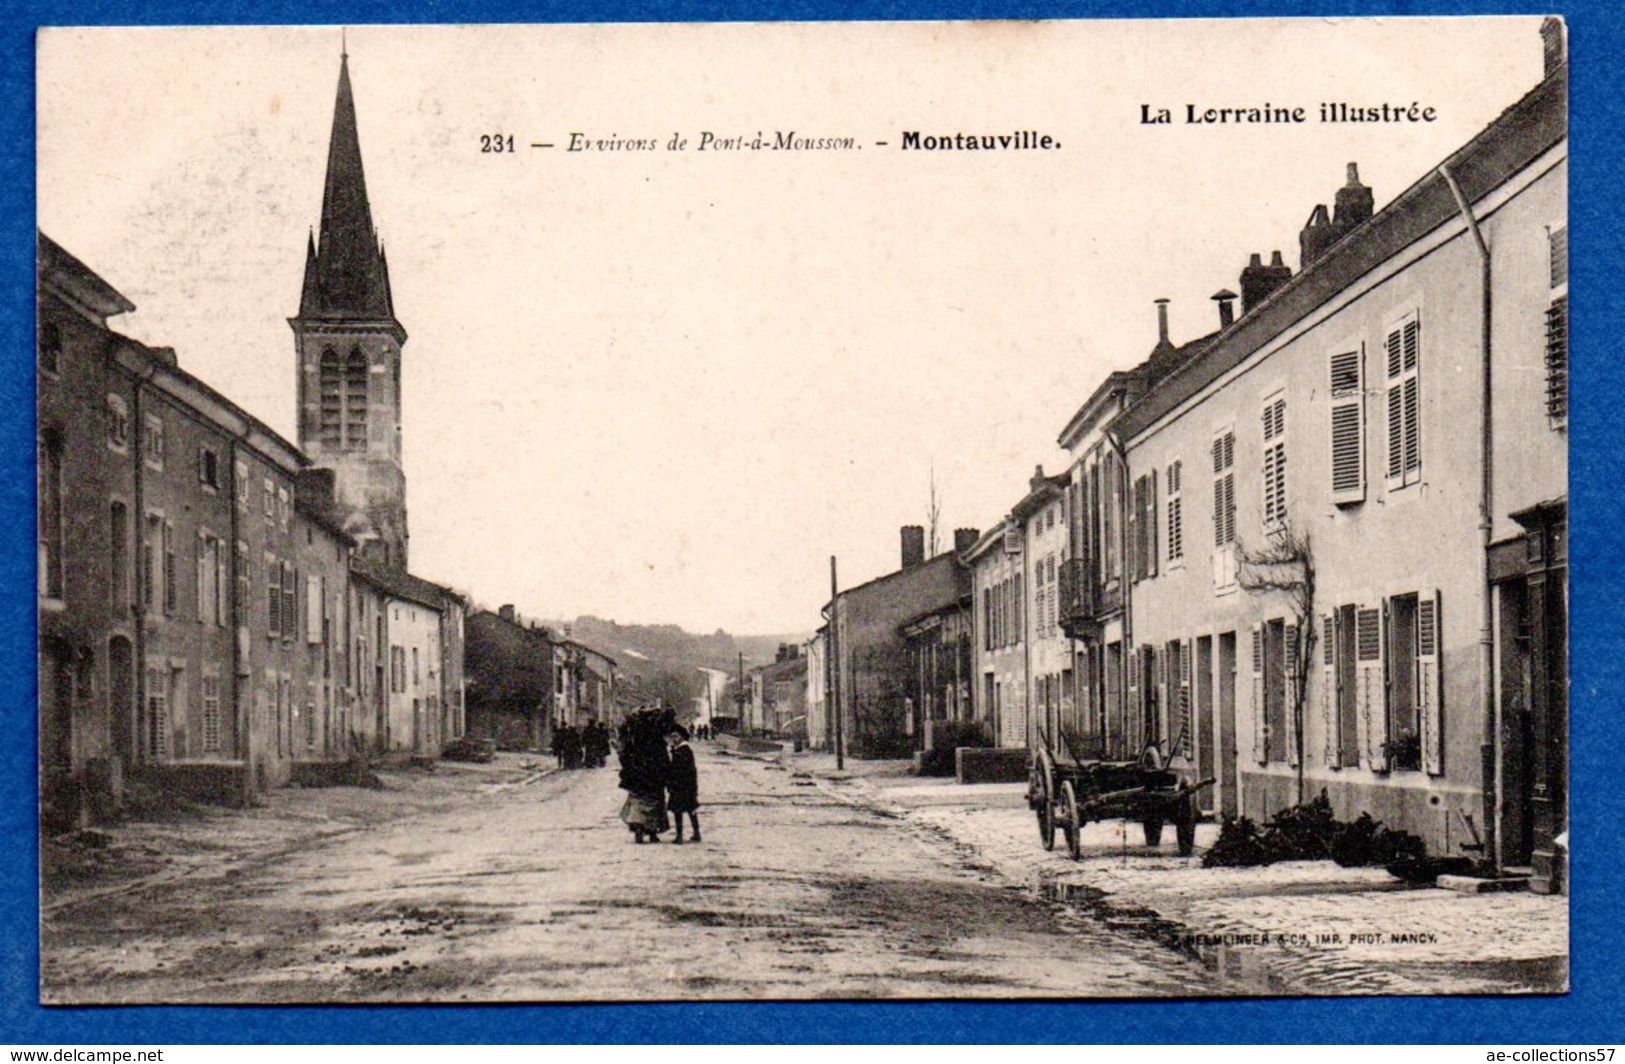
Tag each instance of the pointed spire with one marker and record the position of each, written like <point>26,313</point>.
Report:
<point>347,279</point>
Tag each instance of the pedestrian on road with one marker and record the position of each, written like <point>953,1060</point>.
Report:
<point>596,742</point>
<point>682,783</point>
<point>557,744</point>
<point>645,767</point>
<point>570,747</point>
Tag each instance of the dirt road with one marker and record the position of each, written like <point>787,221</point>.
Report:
<point>534,891</point>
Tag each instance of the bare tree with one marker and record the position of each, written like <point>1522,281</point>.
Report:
<point>1284,567</point>
<point>934,514</point>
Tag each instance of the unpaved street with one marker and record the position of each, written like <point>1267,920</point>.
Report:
<point>535,891</point>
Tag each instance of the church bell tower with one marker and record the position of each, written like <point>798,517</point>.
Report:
<point>349,351</point>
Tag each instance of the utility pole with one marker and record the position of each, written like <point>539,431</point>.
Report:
<point>832,694</point>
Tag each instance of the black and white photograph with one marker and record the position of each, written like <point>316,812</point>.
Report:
<point>889,510</point>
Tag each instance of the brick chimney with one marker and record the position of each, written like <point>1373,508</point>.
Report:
<point>1258,280</point>
<point>913,545</point>
<point>506,613</point>
<point>1553,36</point>
<point>1355,202</point>
<point>1227,307</point>
<point>965,539</point>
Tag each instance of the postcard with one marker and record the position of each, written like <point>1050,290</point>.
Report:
<point>1058,509</point>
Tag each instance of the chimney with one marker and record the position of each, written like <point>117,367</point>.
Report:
<point>1258,280</point>
<point>1354,203</point>
<point>1316,236</point>
<point>506,613</point>
<point>965,539</point>
<point>1162,321</point>
<point>1227,306</point>
<point>913,545</point>
<point>1552,34</point>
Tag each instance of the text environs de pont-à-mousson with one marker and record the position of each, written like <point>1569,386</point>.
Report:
<point>794,140</point>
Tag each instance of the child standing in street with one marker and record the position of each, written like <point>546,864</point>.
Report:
<point>683,784</point>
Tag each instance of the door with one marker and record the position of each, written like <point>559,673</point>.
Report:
<point>1229,795</point>
<point>121,698</point>
<point>1203,721</point>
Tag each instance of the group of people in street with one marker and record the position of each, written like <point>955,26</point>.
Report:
<point>584,747</point>
<point>659,776</point>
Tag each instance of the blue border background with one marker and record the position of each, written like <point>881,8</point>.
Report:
<point>1597,44</point>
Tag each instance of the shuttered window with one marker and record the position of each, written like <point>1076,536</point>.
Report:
<point>1224,489</point>
<point>211,714</point>
<point>273,596</point>
<point>1274,472</point>
<point>1403,357</point>
<point>1370,697</point>
<point>1176,512</point>
<point>1557,330</point>
<point>1348,426</point>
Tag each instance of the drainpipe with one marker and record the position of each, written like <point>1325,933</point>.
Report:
<point>1127,581</point>
<point>138,454</point>
<point>239,621</point>
<point>1490,750</point>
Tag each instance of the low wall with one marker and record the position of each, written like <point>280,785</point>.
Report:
<point>218,782</point>
<point>982,764</point>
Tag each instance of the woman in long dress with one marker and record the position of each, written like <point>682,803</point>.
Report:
<point>645,768</point>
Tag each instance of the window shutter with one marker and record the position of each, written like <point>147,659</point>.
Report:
<point>1151,547</point>
<point>1133,701</point>
<point>1186,724</point>
<point>1294,709</point>
<point>290,601</point>
<point>1428,685</point>
<point>1159,709</point>
<point>1348,427</point>
<point>1136,549</point>
<point>313,609</point>
<point>1396,416</point>
<point>170,595</point>
<point>200,568</point>
<point>1370,694</point>
<point>273,584</point>
<point>1256,688</point>
<point>1328,688</point>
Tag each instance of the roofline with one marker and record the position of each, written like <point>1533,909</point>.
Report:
<point>1042,492</point>
<point>985,542</point>
<point>1116,380</point>
<point>91,290</point>
<point>900,572</point>
<point>1521,134</point>
<point>251,429</point>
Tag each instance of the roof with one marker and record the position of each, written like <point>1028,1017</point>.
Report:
<point>992,536</point>
<point>1115,382</point>
<point>1040,490</point>
<point>346,274</point>
<point>404,585</point>
<point>868,585</point>
<point>1520,135</point>
<point>82,283</point>
<point>919,622</point>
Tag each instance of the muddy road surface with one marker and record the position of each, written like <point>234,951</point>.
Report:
<point>532,890</point>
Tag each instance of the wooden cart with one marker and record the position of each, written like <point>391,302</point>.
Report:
<point>1067,793</point>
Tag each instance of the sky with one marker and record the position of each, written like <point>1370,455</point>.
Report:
<point>667,386</point>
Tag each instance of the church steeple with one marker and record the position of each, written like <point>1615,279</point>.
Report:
<point>346,278</point>
<point>348,345</point>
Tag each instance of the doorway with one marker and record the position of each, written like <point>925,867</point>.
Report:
<point>1229,794</point>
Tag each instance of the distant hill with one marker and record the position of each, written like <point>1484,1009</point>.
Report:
<point>646,650</point>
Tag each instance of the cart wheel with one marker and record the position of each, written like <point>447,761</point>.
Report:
<point>1043,784</point>
<point>1073,825</point>
<point>1185,827</point>
<point>1153,831</point>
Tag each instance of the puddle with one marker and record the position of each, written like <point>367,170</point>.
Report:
<point>1243,965</point>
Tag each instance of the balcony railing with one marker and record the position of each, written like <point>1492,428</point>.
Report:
<point>1080,595</point>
